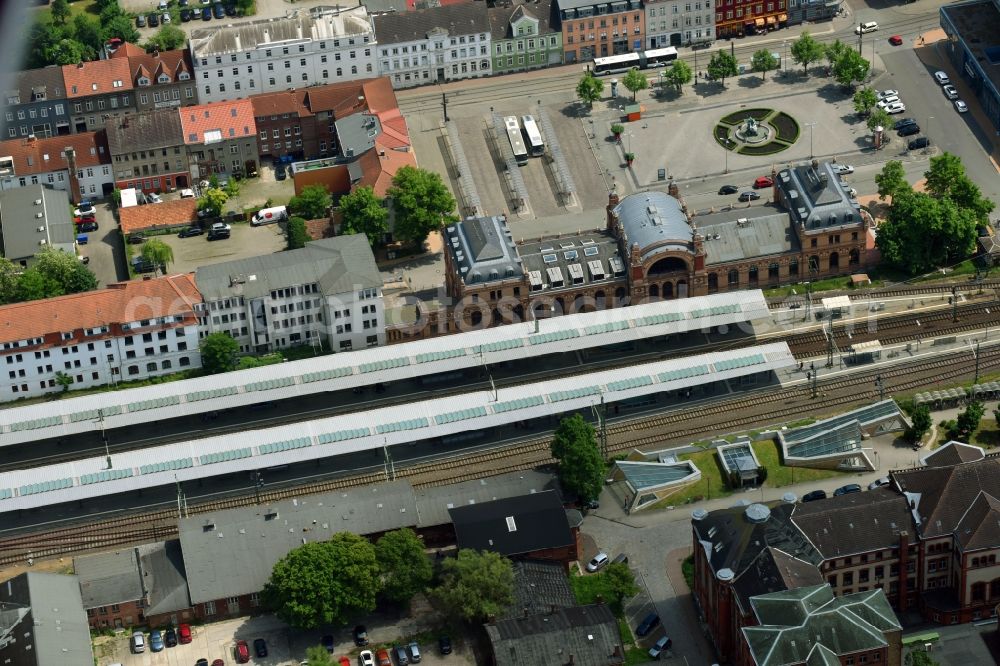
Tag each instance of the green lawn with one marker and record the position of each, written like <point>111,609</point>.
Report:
<point>709,486</point>
<point>88,7</point>
<point>687,568</point>
<point>778,475</point>
<point>587,588</point>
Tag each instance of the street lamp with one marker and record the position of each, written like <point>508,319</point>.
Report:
<point>810,126</point>
<point>784,59</point>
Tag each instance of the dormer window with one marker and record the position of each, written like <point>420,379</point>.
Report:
<point>163,78</point>
<point>143,81</point>
<point>183,76</point>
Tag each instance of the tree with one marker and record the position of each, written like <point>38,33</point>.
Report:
<point>212,200</point>
<point>119,25</point>
<point>878,118</point>
<point>10,275</point>
<point>969,418</point>
<point>834,51</point>
<point>806,50</point>
<point>891,180</point>
<point>232,188</point>
<point>157,253</point>
<point>313,203</point>
<point>922,232</point>
<point>679,75</point>
<point>60,11</point>
<point>168,38</point>
<point>42,37</point>
<point>721,66</point>
<point>405,567</point>
<point>323,583</point>
<point>864,101</point>
<point>475,585</point>
<point>218,353</point>
<point>421,203</point>
<point>918,657</point>
<point>296,235</point>
<point>581,466</point>
<point>620,581</point>
<point>763,61</point>
<point>35,285</point>
<point>88,33</point>
<point>590,89</point>
<point>920,422</point>
<point>63,380</point>
<point>364,213</point>
<point>850,67</point>
<point>634,81</point>
<point>946,177</point>
<point>65,270</point>
<point>318,656</point>
<point>66,52</point>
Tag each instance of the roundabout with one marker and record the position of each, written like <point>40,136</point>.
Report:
<point>757,131</point>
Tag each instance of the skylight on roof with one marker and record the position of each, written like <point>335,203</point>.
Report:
<point>591,251</point>
<point>549,258</point>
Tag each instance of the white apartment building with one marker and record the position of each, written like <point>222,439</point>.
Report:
<point>327,294</point>
<point>48,161</point>
<point>673,23</point>
<point>434,45</point>
<point>130,330</point>
<point>319,45</point>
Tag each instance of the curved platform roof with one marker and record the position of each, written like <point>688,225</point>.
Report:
<point>367,367</point>
<point>374,429</point>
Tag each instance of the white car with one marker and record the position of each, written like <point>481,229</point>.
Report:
<point>961,106</point>
<point>599,561</point>
<point>187,193</point>
<point>865,28</point>
<point>887,101</point>
<point>138,642</point>
<point>950,92</point>
<point>221,226</point>
<point>165,19</point>
<point>941,78</point>
<point>843,169</point>
<point>878,483</point>
<point>888,93</point>
<point>897,107</point>
<point>153,198</point>
<point>367,658</point>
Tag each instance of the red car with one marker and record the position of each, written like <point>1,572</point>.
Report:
<point>762,181</point>
<point>242,652</point>
<point>896,40</point>
<point>383,658</point>
<point>80,219</point>
<point>184,634</point>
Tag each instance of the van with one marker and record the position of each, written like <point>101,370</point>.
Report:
<point>269,215</point>
<point>866,27</point>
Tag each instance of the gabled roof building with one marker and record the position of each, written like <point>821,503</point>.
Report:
<point>42,622</point>
<point>97,90</point>
<point>78,163</point>
<point>221,138</point>
<point>582,636</point>
<point>148,152</point>
<point>36,105</point>
<point>523,36</point>
<point>162,79</point>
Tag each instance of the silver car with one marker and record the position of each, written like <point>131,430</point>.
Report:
<point>950,92</point>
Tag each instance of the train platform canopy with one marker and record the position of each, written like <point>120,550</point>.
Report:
<point>376,428</point>
<point>837,442</point>
<point>367,367</point>
<point>867,347</point>
<point>836,303</point>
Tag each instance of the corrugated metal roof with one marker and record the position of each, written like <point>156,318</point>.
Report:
<point>379,365</point>
<point>373,429</point>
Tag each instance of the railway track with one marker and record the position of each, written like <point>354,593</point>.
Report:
<point>937,289</point>
<point>764,408</point>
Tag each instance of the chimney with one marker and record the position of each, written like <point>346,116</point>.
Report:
<point>572,659</point>
<point>79,65</point>
<point>237,38</point>
<point>673,190</point>
<point>74,182</point>
<point>612,202</point>
<point>815,165</point>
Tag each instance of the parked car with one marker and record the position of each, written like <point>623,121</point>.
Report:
<point>206,14</point>
<point>650,622</point>
<point>138,642</point>
<point>728,189</point>
<point>444,645</point>
<point>84,209</point>
<point>242,652</point>
<point>188,232</point>
<point>847,490</point>
<point>170,637</point>
<point>140,21</point>
<point>137,238</point>
<point>896,40</point>
<point>360,635</point>
<point>218,662</point>
<point>141,265</point>
<point>894,108</point>
<point>366,658</point>
<point>659,647</point>
<point>184,634</point>
<point>414,649</point>
<point>814,495</point>
<point>344,660</point>
<point>865,28</point>
<point>402,658</point>
<point>279,172</point>
<point>153,20</point>
<point>899,124</point>
<point>749,196</point>
<point>87,226</point>
<point>165,18</point>
<point>941,78</point>
<point>878,483</point>
<point>218,10</point>
<point>961,106</point>
<point>260,647</point>
<point>917,144</point>
<point>886,101</point>
<point>153,198</point>
<point>186,15</point>
<point>327,642</point>
<point>762,181</point>
<point>908,130</point>
<point>383,658</point>
<point>201,662</point>
<point>887,93</point>
<point>155,641</point>
<point>950,91</point>
<point>82,239</point>
<point>843,169</point>
<point>598,562</point>
<point>230,10</point>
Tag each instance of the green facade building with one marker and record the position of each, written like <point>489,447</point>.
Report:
<point>523,37</point>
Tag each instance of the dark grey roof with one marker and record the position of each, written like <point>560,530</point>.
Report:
<point>357,132</point>
<point>159,128</point>
<point>855,523</point>
<point>20,225</point>
<point>45,613</point>
<point>539,587</point>
<point>610,6</point>
<point>513,526</point>
<point>953,453</point>
<point>573,250</point>
<point>109,578</point>
<point>942,495</point>
<point>434,502</point>
<point>816,198</point>
<point>588,633</point>
<point>466,18</point>
<point>501,18</point>
<point>339,265</point>
<point>376,7</point>
<point>773,570</point>
<point>653,219</point>
<point>164,576</point>
<point>748,238</point>
<point>36,85</point>
<point>483,250</point>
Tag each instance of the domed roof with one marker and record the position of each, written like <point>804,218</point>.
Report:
<point>653,217</point>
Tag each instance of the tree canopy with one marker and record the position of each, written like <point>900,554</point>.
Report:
<point>590,88</point>
<point>891,180</point>
<point>212,200</point>
<point>313,203</point>
<point>850,68</point>
<point>64,270</point>
<point>806,50</point>
<point>158,253</point>
<point>878,118</point>
<point>324,582</point>
<point>296,235</point>
<point>946,177</point>
<point>834,51</point>
<point>405,567</point>
<point>920,423</point>
<point>218,353</point>
<point>634,81</point>
<point>865,100</point>
<point>922,232</point>
<point>475,585</point>
<point>763,61</point>
<point>421,203</point>
<point>364,213</point>
<point>721,66</point>
<point>679,75</point>
<point>168,38</point>
<point>581,466</point>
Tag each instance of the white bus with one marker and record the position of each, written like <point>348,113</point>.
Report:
<point>657,57</point>
<point>535,144</point>
<point>514,135</point>
<point>616,63</point>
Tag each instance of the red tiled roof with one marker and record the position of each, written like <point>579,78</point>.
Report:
<point>288,101</point>
<point>35,156</point>
<point>118,303</point>
<point>341,98</point>
<point>96,77</point>
<point>151,65</point>
<point>232,120</point>
<point>128,50</point>
<point>379,166</point>
<point>158,216</point>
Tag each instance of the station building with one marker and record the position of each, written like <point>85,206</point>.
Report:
<point>971,45</point>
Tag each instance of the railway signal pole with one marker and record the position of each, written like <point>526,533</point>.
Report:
<point>880,385</point>
<point>602,416</point>
<point>258,483</point>
<point>104,437</point>
<point>811,376</point>
<point>954,303</point>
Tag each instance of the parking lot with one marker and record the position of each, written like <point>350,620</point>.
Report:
<point>246,241</point>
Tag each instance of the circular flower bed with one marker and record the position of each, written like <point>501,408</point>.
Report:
<point>785,134</point>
